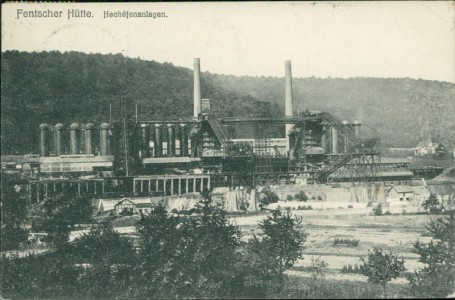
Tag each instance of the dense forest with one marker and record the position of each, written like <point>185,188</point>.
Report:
<point>401,111</point>
<point>51,87</point>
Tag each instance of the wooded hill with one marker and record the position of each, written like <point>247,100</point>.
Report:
<point>51,87</point>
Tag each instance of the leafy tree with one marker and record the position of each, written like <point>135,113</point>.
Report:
<point>381,267</point>
<point>270,254</point>
<point>60,213</point>
<point>13,209</point>
<point>188,256</point>
<point>432,204</point>
<point>437,278</point>
<point>283,235</point>
<point>111,261</point>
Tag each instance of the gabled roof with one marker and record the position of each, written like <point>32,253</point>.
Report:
<point>124,200</point>
<point>402,189</point>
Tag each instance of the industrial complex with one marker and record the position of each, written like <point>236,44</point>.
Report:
<point>165,157</point>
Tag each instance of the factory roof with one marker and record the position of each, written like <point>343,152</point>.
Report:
<point>169,160</point>
<point>76,159</point>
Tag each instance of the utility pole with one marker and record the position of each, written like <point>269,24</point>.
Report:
<point>125,134</point>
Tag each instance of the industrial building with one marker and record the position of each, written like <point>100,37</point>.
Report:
<point>177,156</point>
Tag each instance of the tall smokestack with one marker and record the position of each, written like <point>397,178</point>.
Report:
<point>288,101</point>
<point>197,87</point>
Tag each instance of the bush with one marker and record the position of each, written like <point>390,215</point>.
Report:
<point>377,211</point>
<point>350,206</point>
<point>271,197</point>
<point>301,196</point>
<point>381,267</point>
<point>320,198</point>
<point>432,205</point>
<point>349,269</point>
<point>347,242</point>
<point>289,197</point>
<point>318,268</point>
<point>437,278</point>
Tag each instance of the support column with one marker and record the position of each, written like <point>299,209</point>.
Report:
<point>334,135</point>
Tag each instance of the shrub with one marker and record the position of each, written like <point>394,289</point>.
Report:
<point>432,205</point>
<point>271,197</point>
<point>377,211</point>
<point>318,268</point>
<point>301,196</point>
<point>381,267</point>
<point>350,206</point>
<point>319,197</point>
<point>347,242</point>
<point>289,197</point>
<point>349,269</point>
<point>437,278</point>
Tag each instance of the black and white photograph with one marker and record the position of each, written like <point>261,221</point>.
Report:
<point>228,150</point>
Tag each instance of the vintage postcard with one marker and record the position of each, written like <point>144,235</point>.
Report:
<point>228,150</point>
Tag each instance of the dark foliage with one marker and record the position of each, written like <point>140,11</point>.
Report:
<point>13,210</point>
<point>178,256</point>
<point>348,242</point>
<point>377,210</point>
<point>271,197</point>
<point>58,214</point>
<point>432,205</point>
<point>301,196</point>
<point>437,278</point>
<point>381,267</point>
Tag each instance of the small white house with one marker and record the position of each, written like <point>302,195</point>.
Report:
<point>399,195</point>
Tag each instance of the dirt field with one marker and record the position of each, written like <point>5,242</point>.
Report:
<point>390,232</point>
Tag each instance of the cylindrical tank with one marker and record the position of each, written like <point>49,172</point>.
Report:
<point>334,135</point>
<point>158,141</point>
<point>144,141</point>
<point>58,139</point>
<point>183,140</point>
<point>89,138</point>
<point>170,140</point>
<point>74,138</point>
<point>357,125</point>
<point>104,131</point>
<point>44,140</point>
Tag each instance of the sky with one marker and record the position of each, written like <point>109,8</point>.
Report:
<point>323,39</point>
